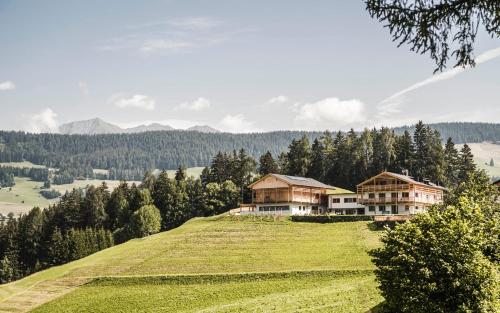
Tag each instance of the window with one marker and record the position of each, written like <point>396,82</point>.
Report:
<point>407,208</point>
<point>416,194</point>
<point>381,195</point>
<point>394,209</point>
<point>349,200</point>
<point>371,208</point>
<point>394,195</point>
<point>416,208</point>
<point>405,194</point>
<point>371,195</point>
<point>335,200</point>
<point>381,208</point>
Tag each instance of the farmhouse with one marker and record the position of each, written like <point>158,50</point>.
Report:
<point>283,194</point>
<point>384,194</point>
<point>391,193</point>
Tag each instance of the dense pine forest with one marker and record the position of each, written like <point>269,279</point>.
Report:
<point>128,156</point>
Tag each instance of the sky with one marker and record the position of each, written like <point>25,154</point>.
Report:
<point>239,66</point>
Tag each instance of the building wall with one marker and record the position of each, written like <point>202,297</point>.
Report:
<point>344,204</point>
<point>279,209</point>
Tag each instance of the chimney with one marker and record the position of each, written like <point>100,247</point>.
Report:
<point>405,172</point>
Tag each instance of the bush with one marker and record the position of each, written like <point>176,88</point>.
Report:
<point>146,221</point>
<point>436,263</point>
<point>50,194</point>
<point>330,218</point>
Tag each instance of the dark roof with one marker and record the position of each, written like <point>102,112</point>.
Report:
<point>496,182</point>
<point>299,181</point>
<point>407,179</point>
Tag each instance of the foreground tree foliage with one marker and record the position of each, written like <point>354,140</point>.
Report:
<point>443,29</point>
<point>446,260</point>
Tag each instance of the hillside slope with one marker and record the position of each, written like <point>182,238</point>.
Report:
<point>327,257</point>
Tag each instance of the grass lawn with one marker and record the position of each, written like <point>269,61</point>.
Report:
<point>483,153</point>
<point>23,196</point>
<point>217,246</point>
<point>322,293</point>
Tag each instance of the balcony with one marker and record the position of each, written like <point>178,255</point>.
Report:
<point>388,187</point>
<point>389,200</point>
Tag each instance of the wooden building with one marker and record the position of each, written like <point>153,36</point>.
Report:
<point>391,193</point>
<point>289,195</point>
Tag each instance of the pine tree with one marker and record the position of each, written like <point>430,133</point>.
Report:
<point>267,164</point>
<point>148,181</point>
<point>420,139</point>
<point>299,157</point>
<point>180,174</point>
<point>451,161</point>
<point>466,163</point>
<point>317,167</point>
<point>404,153</point>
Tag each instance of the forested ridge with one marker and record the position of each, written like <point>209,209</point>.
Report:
<point>128,156</point>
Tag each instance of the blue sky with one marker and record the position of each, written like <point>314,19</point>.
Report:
<point>238,66</point>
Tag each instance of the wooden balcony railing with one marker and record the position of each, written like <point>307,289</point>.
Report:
<point>388,200</point>
<point>388,187</point>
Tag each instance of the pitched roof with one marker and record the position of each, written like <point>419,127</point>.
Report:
<point>405,178</point>
<point>298,181</point>
<point>339,191</point>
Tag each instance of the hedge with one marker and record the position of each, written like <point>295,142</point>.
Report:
<point>331,218</point>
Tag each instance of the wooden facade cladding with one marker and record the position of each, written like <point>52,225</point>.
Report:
<point>285,195</point>
<point>388,188</point>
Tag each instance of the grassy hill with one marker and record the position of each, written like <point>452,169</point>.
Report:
<point>217,264</point>
<point>483,153</point>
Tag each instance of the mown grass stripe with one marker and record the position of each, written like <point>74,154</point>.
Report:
<point>221,278</point>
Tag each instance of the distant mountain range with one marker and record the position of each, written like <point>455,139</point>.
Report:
<point>98,126</point>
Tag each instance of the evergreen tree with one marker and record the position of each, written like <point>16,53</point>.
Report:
<point>299,157</point>
<point>451,161</point>
<point>267,164</point>
<point>282,163</point>
<point>317,167</point>
<point>466,163</point>
<point>404,153</point>
<point>180,174</point>
<point>117,207</point>
<point>420,139</point>
<point>148,181</point>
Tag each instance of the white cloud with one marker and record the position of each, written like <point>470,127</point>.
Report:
<point>278,99</point>
<point>84,88</point>
<point>43,122</point>
<point>330,113</point>
<point>136,101</point>
<point>199,104</point>
<point>152,45</point>
<point>237,124</point>
<point>195,23</point>
<point>7,85</point>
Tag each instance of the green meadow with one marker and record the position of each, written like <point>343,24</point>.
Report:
<point>216,264</point>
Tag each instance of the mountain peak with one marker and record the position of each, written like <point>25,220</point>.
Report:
<point>98,126</point>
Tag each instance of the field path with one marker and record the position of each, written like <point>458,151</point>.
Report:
<point>40,293</point>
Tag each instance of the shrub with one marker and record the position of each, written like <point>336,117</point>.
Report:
<point>146,221</point>
<point>50,194</point>
<point>436,263</point>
